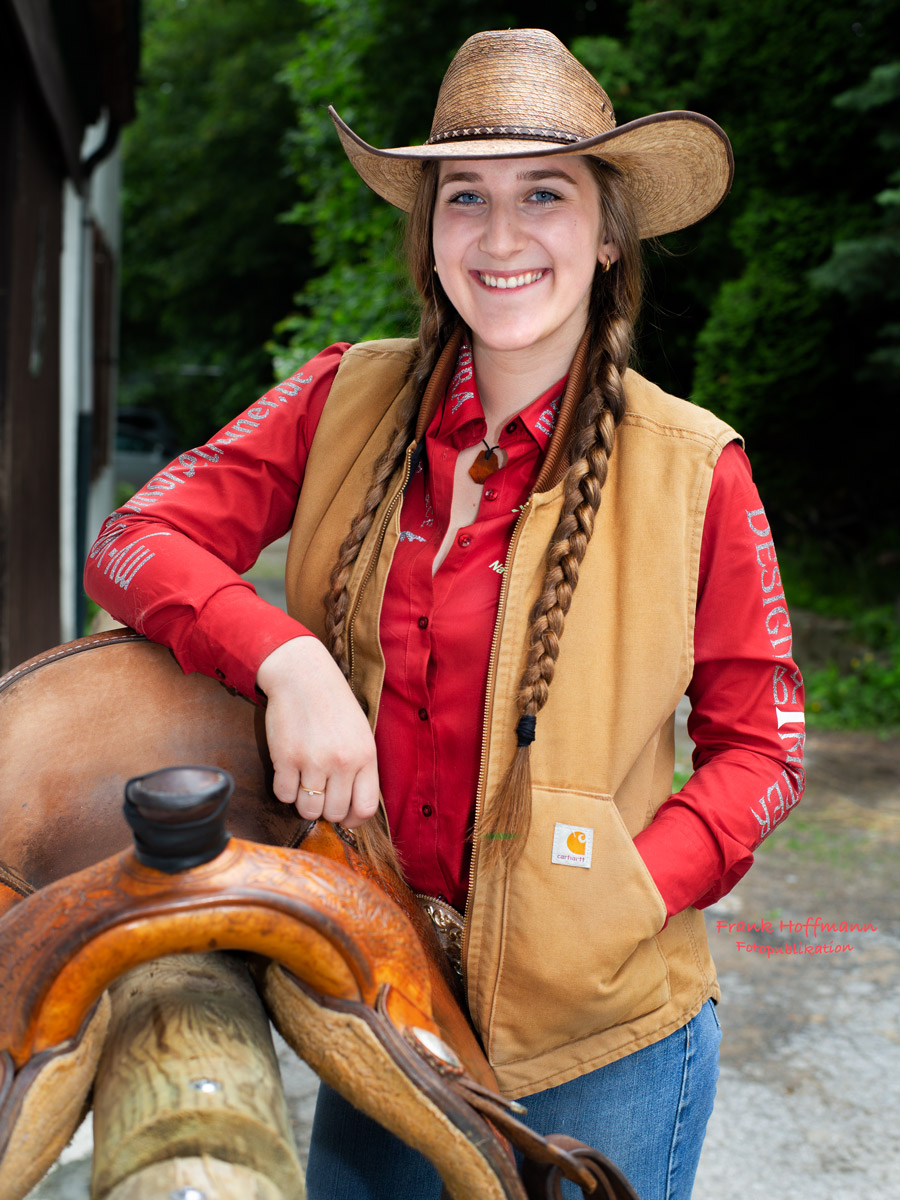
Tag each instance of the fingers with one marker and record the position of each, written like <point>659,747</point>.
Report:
<point>347,798</point>
<point>321,745</point>
<point>350,797</point>
<point>364,799</point>
<point>310,802</point>
<point>286,783</point>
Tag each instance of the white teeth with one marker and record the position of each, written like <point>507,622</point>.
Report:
<point>510,281</point>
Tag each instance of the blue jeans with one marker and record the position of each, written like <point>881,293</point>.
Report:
<point>647,1112</point>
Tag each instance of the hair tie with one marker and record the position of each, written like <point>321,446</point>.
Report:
<point>525,730</point>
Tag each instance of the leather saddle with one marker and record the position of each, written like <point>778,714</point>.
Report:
<point>348,964</point>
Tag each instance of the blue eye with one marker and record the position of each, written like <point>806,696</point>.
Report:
<point>465,198</point>
<point>542,196</point>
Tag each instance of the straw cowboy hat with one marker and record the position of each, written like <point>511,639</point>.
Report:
<point>519,93</point>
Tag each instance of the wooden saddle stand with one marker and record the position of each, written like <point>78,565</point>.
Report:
<point>134,976</point>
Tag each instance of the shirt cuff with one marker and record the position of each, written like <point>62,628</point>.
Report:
<point>681,854</point>
<point>235,632</point>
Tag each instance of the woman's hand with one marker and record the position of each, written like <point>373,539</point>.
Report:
<point>320,742</point>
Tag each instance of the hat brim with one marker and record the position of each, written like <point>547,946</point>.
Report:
<point>679,165</point>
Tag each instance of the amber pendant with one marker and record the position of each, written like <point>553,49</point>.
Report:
<point>484,466</point>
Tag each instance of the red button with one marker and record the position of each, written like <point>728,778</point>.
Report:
<point>423,622</point>
<point>463,540</point>
<point>427,810</point>
<point>490,493</point>
<point>512,427</point>
<point>423,714</point>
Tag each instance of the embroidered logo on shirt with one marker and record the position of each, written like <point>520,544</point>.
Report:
<point>572,845</point>
<point>497,566</point>
<point>188,462</point>
<point>463,375</point>
<point>406,536</point>
<point>547,419</point>
<point>428,519</point>
<point>783,793</point>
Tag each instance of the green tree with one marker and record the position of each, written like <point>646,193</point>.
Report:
<point>866,269</point>
<point>748,327</point>
<point>208,267</point>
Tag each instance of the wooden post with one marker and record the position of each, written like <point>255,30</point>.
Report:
<point>189,1073</point>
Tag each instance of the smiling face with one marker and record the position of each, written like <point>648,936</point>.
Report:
<point>516,243</point>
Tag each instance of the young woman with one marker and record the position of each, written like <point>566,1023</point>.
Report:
<point>448,497</point>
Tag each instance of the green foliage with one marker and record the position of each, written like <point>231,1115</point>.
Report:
<point>207,267</point>
<point>759,356</point>
<point>769,296</point>
<point>359,290</point>
<point>867,696</point>
<point>379,62</point>
<point>866,269</point>
<point>838,586</point>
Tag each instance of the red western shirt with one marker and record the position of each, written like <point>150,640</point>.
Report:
<point>168,564</point>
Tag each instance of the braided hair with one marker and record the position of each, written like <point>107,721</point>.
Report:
<point>614,305</point>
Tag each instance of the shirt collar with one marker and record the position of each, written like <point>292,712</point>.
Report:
<point>461,417</point>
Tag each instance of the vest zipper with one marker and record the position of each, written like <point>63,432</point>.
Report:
<point>488,707</point>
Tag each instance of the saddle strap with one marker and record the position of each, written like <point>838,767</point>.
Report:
<point>543,1180</point>
<point>549,1159</point>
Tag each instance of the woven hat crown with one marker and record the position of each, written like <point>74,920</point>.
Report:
<point>519,83</point>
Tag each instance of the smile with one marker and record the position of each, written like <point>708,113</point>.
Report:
<point>508,282</point>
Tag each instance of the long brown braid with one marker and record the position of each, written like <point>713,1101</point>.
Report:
<point>614,305</point>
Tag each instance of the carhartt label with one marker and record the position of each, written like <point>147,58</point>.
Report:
<point>572,845</point>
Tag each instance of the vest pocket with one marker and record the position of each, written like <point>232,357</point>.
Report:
<point>580,953</point>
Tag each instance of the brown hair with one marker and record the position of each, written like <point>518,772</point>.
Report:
<point>614,304</point>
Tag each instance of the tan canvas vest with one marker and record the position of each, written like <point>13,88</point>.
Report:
<point>567,965</point>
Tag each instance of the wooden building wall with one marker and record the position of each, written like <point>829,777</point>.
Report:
<point>31,179</point>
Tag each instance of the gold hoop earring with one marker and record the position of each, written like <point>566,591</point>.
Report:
<point>608,264</point>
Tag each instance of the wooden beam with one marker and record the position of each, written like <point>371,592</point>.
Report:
<point>189,1072</point>
<point>39,34</point>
